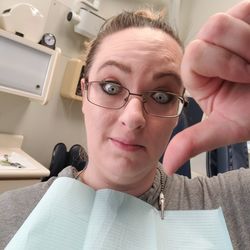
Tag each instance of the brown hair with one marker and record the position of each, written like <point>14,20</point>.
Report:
<point>137,19</point>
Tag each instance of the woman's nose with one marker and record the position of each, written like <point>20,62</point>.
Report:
<point>133,115</point>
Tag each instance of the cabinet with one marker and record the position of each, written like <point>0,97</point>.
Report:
<point>26,68</point>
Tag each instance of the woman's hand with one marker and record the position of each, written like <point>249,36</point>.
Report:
<point>216,72</point>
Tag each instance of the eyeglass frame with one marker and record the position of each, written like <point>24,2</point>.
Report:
<point>180,97</point>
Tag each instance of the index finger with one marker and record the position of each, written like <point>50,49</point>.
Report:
<point>230,30</point>
<point>241,11</point>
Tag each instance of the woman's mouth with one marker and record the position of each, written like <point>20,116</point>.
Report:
<point>127,145</point>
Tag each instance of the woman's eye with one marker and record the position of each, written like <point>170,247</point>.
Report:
<point>111,88</point>
<point>162,97</point>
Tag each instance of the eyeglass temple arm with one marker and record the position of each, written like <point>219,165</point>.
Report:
<point>185,98</point>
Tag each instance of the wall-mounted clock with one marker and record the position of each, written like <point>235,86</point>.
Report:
<point>48,40</point>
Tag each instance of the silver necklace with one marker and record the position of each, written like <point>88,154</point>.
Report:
<point>161,196</point>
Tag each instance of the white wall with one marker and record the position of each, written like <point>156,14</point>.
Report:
<point>194,13</point>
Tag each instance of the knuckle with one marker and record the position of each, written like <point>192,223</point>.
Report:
<point>215,27</point>
<point>195,49</point>
<point>192,56</point>
<point>246,5</point>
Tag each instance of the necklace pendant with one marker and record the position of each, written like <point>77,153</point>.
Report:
<point>162,204</point>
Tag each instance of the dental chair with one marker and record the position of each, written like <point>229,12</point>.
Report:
<point>61,158</point>
<point>227,158</point>
<point>220,160</point>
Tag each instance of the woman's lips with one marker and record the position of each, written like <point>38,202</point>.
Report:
<point>126,145</point>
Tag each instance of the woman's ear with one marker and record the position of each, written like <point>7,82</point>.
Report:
<point>82,86</point>
<point>83,93</point>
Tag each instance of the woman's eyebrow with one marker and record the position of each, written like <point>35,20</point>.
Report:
<point>170,74</point>
<point>156,76</point>
<point>119,65</point>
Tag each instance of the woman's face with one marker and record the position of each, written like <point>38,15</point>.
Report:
<point>125,145</point>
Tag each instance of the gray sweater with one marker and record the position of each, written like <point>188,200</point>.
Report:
<point>231,191</point>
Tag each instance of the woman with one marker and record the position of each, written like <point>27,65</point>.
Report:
<point>133,94</point>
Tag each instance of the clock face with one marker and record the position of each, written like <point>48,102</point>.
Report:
<point>49,39</point>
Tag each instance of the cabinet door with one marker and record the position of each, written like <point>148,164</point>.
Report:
<point>26,68</point>
<point>22,67</point>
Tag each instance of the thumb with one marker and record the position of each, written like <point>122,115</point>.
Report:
<point>203,136</point>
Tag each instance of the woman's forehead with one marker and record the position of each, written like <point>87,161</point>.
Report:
<point>140,38</point>
<point>141,46</point>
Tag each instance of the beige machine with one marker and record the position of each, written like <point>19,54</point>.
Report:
<point>23,19</point>
<point>86,20</point>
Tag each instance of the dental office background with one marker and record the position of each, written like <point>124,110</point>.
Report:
<point>61,120</point>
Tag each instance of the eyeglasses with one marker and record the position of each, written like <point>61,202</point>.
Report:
<point>112,95</point>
